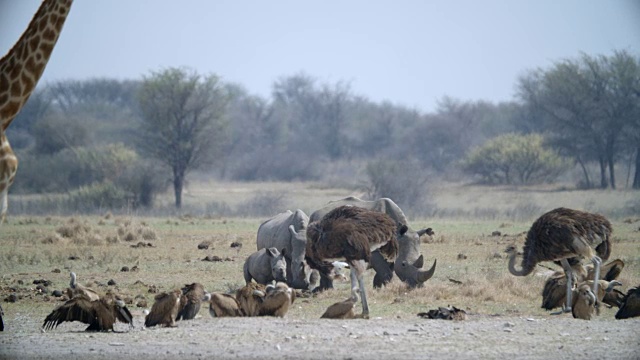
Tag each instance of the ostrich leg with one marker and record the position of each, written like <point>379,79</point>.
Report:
<point>356,274</point>
<point>596,264</point>
<point>569,274</point>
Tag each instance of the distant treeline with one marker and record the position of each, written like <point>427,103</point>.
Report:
<point>580,114</point>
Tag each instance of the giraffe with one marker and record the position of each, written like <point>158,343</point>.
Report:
<point>20,70</point>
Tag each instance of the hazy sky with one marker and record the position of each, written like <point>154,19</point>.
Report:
<point>411,53</point>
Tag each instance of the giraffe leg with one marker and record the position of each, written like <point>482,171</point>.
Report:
<point>4,204</point>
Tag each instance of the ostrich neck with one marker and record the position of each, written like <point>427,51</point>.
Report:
<point>512,266</point>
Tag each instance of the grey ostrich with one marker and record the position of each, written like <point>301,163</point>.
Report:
<point>352,233</point>
<point>565,235</point>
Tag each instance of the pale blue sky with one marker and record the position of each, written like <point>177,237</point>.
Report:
<point>411,53</point>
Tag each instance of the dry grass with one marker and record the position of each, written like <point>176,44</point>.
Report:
<point>471,273</point>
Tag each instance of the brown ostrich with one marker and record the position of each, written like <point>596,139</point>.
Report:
<point>554,292</point>
<point>352,233</point>
<point>562,234</point>
<point>100,314</point>
<point>193,295</point>
<point>630,304</point>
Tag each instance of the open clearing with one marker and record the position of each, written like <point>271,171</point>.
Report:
<point>504,316</point>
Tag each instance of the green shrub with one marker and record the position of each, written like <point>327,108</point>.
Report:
<point>514,159</point>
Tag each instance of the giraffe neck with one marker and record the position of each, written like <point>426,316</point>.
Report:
<point>23,65</point>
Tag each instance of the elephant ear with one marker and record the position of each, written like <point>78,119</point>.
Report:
<point>273,252</point>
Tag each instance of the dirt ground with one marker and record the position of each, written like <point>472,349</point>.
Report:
<point>478,337</point>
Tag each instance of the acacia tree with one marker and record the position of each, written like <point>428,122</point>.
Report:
<point>182,121</point>
<point>587,105</point>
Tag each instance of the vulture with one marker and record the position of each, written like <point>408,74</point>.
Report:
<point>165,309</point>
<point>250,298</point>
<point>585,302</point>
<point>342,309</point>
<point>554,291</point>
<point>192,296</point>
<point>630,306</point>
<point>76,289</point>
<point>276,300</point>
<point>100,314</point>
<point>224,305</point>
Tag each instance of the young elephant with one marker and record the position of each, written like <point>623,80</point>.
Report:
<point>266,265</point>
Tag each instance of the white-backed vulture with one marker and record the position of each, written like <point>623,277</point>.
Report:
<point>224,305</point>
<point>250,297</point>
<point>554,293</point>
<point>276,300</point>
<point>562,234</point>
<point>76,289</point>
<point>630,304</point>
<point>165,309</point>
<point>585,302</point>
<point>352,233</point>
<point>342,309</point>
<point>100,314</point>
<point>192,296</point>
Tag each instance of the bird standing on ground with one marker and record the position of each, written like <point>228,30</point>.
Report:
<point>100,314</point>
<point>562,234</point>
<point>352,233</point>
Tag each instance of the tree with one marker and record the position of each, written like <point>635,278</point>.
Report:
<point>182,121</point>
<point>587,105</point>
<point>514,159</point>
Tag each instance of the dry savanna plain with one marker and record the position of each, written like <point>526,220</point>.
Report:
<point>504,319</point>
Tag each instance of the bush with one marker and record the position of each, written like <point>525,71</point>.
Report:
<point>100,196</point>
<point>402,181</point>
<point>514,159</point>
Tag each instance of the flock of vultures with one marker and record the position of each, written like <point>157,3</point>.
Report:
<point>576,240</point>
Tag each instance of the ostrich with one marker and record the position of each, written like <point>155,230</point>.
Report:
<point>562,234</point>
<point>165,309</point>
<point>554,291</point>
<point>352,233</point>
<point>630,304</point>
<point>193,295</point>
<point>100,314</point>
<point>1,322</point>
<point>76,289</point>
<point>343,309</point>
<point>224,305</point>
